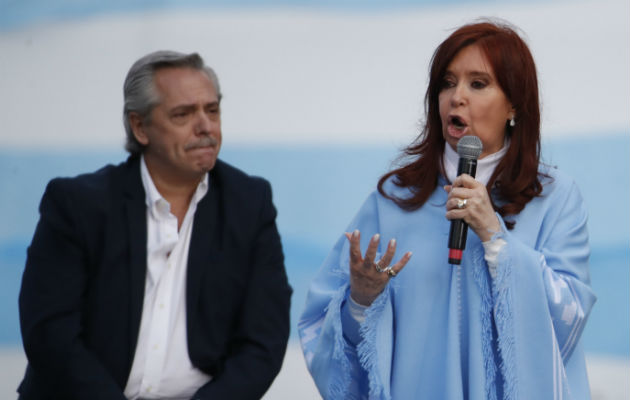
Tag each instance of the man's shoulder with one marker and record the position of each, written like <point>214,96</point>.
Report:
<point>234,179</point>
<point>91,186</point>
<point>245,202</point>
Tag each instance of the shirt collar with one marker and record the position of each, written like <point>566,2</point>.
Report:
<point>154,200</point>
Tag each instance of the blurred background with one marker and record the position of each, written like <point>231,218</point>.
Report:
<point>319,98</point>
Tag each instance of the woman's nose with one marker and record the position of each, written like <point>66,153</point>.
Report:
<point>459,95</point>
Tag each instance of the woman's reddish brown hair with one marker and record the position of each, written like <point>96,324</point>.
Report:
<point>515,179</point>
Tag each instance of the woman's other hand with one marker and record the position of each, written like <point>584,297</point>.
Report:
<point>368,279</point>
<point>468,200</point>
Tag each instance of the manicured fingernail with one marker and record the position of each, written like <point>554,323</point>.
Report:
<point>409,254</point>
<point>376,237</point>
<point>355,233</point>
<point>392,242</point>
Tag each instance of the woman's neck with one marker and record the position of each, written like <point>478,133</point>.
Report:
<point>485,166</point>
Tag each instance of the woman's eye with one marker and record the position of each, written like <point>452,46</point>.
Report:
<point>478,84</point>
<point>447,83</point>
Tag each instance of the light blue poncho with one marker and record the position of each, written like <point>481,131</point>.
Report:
<point>445,332</point>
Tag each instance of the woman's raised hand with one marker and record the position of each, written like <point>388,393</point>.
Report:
<point>367,276</point>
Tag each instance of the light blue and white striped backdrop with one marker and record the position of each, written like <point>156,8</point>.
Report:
<point>319,98</point>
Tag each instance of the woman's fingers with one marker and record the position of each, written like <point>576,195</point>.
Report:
<point>389,254</point>
<point>452,202</point>
<point>370,254</point>
<point>396,268</point>
<point>355,249</point>
<point>366,282</point>
<point>368,261</point>
<point>466,181</point>
<point>468,200</point>
<point>464,193</point>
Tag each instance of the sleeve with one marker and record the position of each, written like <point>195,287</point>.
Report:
<point>542,300</point>
<point>51,300</point>
<point>352,316</point>
<point>341,367</point>
<point>261,337</point>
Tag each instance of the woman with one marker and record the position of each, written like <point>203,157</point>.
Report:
<point>506,323</point>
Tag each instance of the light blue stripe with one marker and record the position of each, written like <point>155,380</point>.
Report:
<point>15,14</point>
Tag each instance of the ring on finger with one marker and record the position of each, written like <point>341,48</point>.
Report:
<point>391,272</point>
<point>377,266</point>
<point>461,203</point>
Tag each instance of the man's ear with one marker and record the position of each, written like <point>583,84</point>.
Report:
<point>138,125</point>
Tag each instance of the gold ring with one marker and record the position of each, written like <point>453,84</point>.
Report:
<point>461,203</point>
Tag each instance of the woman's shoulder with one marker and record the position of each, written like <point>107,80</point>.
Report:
<point>554,180</point>
<point>384,196</point>
<point>390,188</point>
<point>560,190</point>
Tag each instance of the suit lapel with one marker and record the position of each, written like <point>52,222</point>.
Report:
<point>136,218</point>
<point>205,243</point>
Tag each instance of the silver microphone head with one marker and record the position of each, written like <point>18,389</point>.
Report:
<point>469,147</point>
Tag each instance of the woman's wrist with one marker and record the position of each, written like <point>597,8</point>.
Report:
<point>362,299</point>
<point>486,234</point>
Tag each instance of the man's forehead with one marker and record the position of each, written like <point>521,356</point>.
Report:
<point>184,84</point>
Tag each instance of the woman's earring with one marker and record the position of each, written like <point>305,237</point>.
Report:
<point>512,122</point>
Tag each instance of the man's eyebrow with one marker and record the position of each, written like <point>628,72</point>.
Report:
<point>192,106</point>
<point>182,107</point>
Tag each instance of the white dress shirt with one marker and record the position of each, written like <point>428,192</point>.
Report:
<point>161,366</point>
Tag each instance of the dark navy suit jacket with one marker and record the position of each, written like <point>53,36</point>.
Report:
<point>83,286</point>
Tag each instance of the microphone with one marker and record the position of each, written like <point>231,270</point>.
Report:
<point>469,148</point>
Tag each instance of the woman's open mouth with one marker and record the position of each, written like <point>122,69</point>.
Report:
<point>456,126</point>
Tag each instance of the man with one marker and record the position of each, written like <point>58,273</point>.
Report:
<point>162,277</point>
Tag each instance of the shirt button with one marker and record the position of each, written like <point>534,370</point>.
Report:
<point>161,306</point>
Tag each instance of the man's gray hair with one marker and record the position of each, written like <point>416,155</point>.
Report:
<point>140,93</point>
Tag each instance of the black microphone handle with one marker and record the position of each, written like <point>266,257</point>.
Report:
<point>467,166</point>
<point>459,228</point>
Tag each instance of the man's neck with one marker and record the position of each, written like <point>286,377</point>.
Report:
<point>177,191</point>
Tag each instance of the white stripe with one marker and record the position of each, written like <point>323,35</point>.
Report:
<point>560,380</point>
<point>310,330</point>
<point>555,366</point>
<point>362,119</point>
<point>573,335</point>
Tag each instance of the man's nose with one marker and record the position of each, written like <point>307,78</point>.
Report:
<point>203,123</point>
